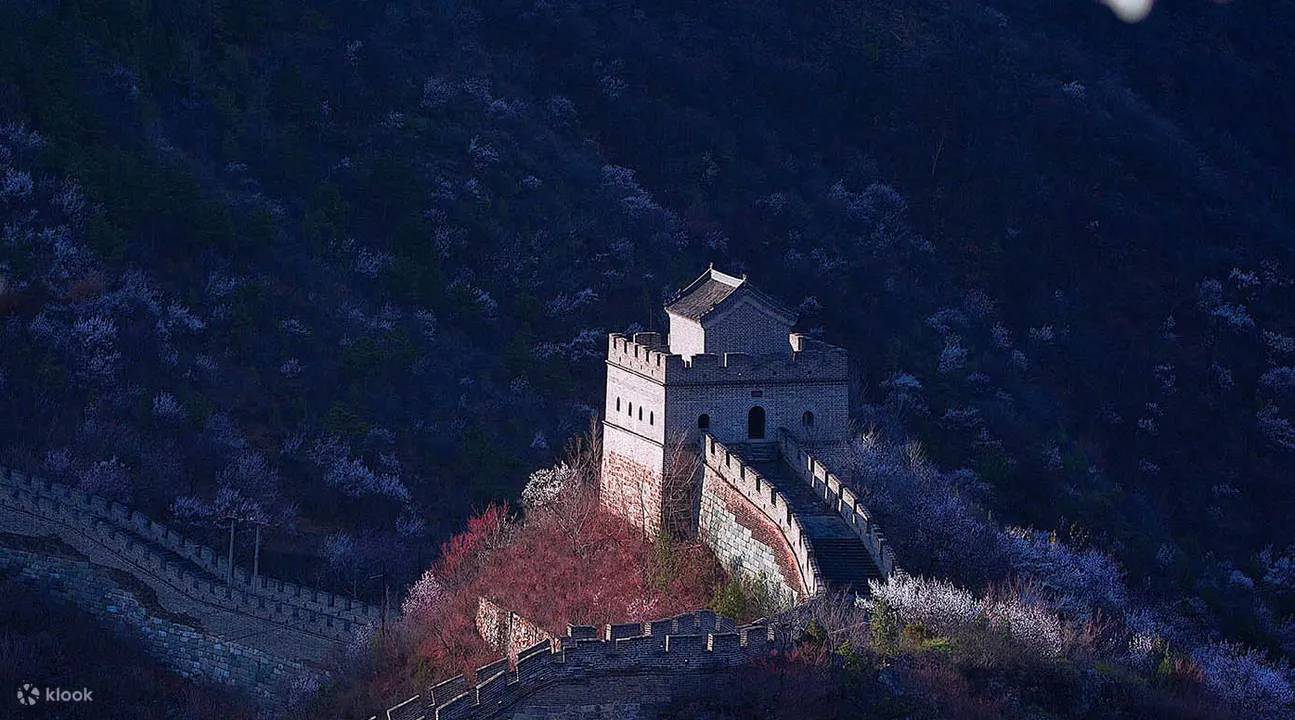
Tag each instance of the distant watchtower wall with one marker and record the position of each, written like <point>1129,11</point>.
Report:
<point>731,369</point>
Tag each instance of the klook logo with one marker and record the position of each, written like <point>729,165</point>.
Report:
<point>29,694</point>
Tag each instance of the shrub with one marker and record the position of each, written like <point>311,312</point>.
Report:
<point>884,628</point>
<point>745,598</point>
<point>936,606</point>
<point>1245,680</point>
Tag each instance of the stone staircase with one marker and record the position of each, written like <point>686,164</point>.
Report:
<point>843,560</point>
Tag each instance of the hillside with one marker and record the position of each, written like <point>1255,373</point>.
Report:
<point>344,271</point>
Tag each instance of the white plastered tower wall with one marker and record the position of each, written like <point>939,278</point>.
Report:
<point>730,350</point>
<point>634,432</point>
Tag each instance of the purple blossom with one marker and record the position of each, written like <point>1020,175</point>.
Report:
<point>106,478</point>
<point>1245,680</point>
<point>1235,316</point>
<point>15,185</point>
<point>953,356</point>
<point>1083,580</point>
<point>166,407</point>
<point>1276,428</point>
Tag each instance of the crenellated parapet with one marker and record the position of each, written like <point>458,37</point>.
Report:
<point>775,508</point>
<point>194,569</point>
<point>806,361</point>
<point>687,646</point>
<point>841,500</point>
<point>648,358</point>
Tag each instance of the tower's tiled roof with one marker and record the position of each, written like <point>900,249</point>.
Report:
<point>711,289</point>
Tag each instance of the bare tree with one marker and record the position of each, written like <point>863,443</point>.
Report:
<point>680,485</point>
<point>576,502</point>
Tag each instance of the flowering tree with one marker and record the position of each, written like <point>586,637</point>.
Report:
<point>941,607</point>
<point>1245,680</point>
<point>228,508</point>
<point>546,485</point>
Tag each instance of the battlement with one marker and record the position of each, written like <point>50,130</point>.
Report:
<point>841,500</point>
<point>193,569</point>
<point>773,505</point>
<point>806,360</point>
<point>686,646</point>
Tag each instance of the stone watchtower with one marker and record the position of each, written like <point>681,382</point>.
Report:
<point>730,368</point>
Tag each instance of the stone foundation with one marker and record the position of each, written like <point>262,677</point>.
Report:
<point>744,540</point>
<point>631,490</point>
<point>506,631</point>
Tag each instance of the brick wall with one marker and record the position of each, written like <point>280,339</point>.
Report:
<point>765,513</point>
<point>629,487</point>
<point>743,326</point>
<point>186,650</point>
<point>784,404</point>
<point>599,672</point>
<point>635,403</point>
<point>687,338</point>
<point>745,541</point>
<point>505,630</point>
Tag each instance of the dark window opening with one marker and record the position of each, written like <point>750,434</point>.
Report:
<point>640,413</point>
<point>703,421</point>
<point>807,419</point>
<point>652,418</point>
<point>618,404</point>
<point>755,423</point>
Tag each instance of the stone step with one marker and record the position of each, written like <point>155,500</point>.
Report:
<point>843,560</point>
<point>758,452</point>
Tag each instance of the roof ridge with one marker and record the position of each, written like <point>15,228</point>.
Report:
<point>713,288</point>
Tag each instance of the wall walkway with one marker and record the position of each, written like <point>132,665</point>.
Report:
<point>173,593</point>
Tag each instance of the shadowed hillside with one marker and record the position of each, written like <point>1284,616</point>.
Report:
<point>343,272</point>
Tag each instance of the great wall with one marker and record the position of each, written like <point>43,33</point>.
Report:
<point>776,512</point>
<point>633,670</point>
<point>178,597</point>
<point>732,387</point>
<point>629,670</point>
<point>767,507</point>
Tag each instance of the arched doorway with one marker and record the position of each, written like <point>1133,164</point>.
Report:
<point>755,423</point>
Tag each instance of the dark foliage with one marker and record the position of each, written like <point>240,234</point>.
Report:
<point>49,645</point>
<point>372,249</point>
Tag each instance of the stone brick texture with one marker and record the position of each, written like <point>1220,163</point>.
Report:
<point>741,491</point>
<point>277,622</point>
<point>630,488</point>
<point>190,651</point>
<point>615,671</point>
<point>741,326</point>
<point>745,541</point>
<point>505,630</point>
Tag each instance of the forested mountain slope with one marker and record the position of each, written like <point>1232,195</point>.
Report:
<point>347,266</point>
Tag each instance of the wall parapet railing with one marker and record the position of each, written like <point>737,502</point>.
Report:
<point>648,354</point>
<point>692,645</point>
<point>840,499</point>
<point>772,504</point>
<point>130,533</point>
